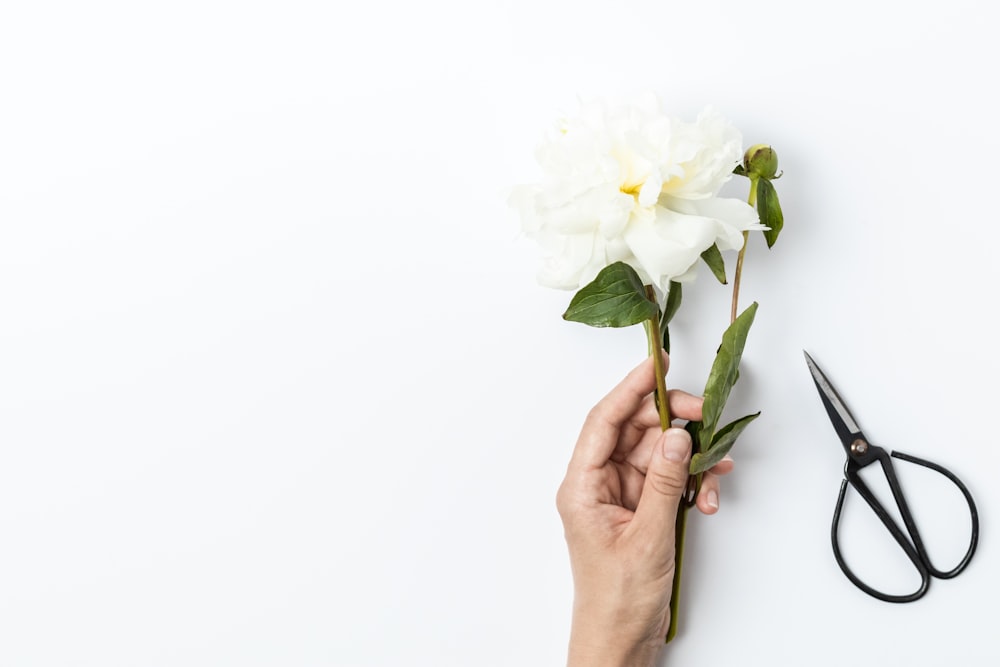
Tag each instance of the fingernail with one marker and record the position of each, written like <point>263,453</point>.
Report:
<point>712,500</point>
<point>676,444</point>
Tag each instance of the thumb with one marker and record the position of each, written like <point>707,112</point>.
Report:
<point>666,480</point>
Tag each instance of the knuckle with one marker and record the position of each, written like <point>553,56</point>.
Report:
<point>669,482</point>
<point>566,500</point>
<point>561,502</point>
<point>594,415</point>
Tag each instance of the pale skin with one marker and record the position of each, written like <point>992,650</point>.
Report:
<point>618,502</point>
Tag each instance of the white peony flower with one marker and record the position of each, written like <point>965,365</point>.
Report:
<point>629,183</point>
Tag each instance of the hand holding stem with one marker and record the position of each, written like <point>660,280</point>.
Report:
<point>622,490</point>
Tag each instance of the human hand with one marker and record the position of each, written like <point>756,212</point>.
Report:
<point>618,505</point>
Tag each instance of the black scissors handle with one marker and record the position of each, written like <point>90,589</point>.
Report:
<point>912,545</point>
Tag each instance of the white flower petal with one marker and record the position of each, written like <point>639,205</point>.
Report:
<point>732,216</point>
<point>626,182</point>
<point>650,190</point>
<point>567,259</point>
<point>668,243</point>
<point>614,214</point>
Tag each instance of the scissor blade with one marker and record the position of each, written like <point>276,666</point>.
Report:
<point>843,421</point>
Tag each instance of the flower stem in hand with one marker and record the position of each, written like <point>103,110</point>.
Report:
<point>679,528</point>
<point>655,339</point>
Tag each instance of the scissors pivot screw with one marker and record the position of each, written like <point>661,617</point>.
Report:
<point>859,447</point>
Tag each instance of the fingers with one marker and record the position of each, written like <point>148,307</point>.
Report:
<point>624,415</point>
<point>641,432</point>
<point>599,436</point>
<point>684,405</point>
<point>666,479</point>
<point>708,495</point>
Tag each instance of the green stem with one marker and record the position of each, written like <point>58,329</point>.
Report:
<point>679,530</point>
<point>655,339</point>
<point>752,200</point>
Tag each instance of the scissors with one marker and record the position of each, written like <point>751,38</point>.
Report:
<point>861,453</point>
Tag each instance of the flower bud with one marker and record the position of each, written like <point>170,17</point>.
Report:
<point>761,160</point>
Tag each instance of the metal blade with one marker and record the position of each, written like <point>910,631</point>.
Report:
<point>843,421</point>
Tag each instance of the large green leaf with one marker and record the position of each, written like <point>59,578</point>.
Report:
<point>724,373</point>
<point>615,298</point>
<point>713,257</point>
<point>769,210</point>
<point>724,441</point>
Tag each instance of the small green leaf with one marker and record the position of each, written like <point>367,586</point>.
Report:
<point>615,298</point>
<point>693,428</point>
<point>725,370</point>
<point>673,303</point>
<point>769,210</point>
<point>669,310</point>
<point>739,170</point>
<point>713,257</point>
<point>723,442</point>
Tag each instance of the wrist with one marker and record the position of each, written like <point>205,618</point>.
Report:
<point>597,654</point>
<point>610,643</point>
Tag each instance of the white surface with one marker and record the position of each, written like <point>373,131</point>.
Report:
<point>277,386</point>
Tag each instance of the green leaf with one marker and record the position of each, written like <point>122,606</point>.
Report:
<point>713,257</point>
<point>693,429</point>
<point>673,303</point>
<point>723,442</point>
<point>725,370</point>
<point>769,210</point>
<point>739,170</point>
<point>669,310</point>
<point>615,298</point>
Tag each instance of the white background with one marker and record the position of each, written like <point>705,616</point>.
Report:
<point>277,386</point>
